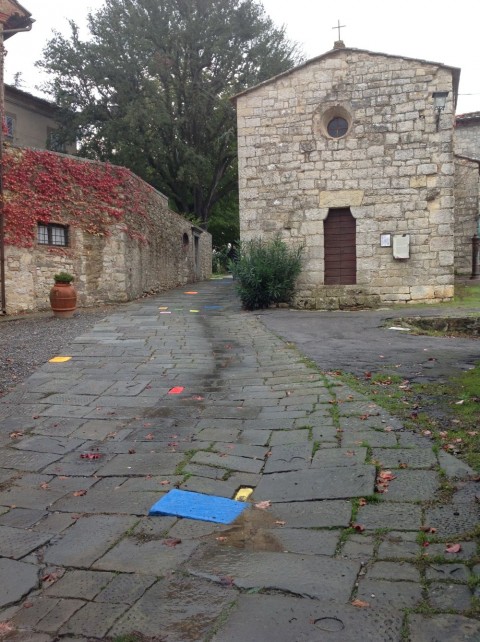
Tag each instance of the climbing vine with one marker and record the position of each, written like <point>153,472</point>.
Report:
<point>44,187</point>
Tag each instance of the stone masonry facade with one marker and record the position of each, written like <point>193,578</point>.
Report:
<point>146,256</point>
<point>467,135</point>
<point>394,169</point>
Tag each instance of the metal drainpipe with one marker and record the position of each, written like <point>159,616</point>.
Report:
<point>2,214</point>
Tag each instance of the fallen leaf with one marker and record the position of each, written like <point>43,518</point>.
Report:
<point>365,416</point>
<point>403,465</point>
<point>280,522</point>
<point>426,544</point>
<point>131,451</point>
<point>90,456</point>
<point>226,580</point>
<point>198,398</point>
<point>360,604</point>
<point>6,627</point>
<point>27,605</point>
<point>149,437</point>
<point>362,501</point>
<point>459,403</point>
<point>263,505</point>
<point>358,527</point>
<point>427,433</point>
<point>50,577</point>
<point>367,375</point>
<point>16,435</point>
<point>79,493</point>
<point>386,475</point>
<point>172,542</point>
<point>453,548</point>
<point>221,538</point>
<point>62,477</point>
<point>165,482</point>
<point>428,529</point>
<point>44,486</point>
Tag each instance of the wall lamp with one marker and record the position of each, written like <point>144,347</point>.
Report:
<point>439,100</point>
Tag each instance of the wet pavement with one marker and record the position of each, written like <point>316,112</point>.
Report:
<point>187,391</point>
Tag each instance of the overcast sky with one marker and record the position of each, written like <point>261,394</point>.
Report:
<point>427,29</point>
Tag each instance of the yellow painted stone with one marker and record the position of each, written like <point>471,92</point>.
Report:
<point>191,292</point>
<point>243,494</point>
<point>194,310</point>
<point>59,359</point>
<point>163,308</point>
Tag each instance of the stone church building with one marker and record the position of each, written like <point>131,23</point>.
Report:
<point>353,155</point>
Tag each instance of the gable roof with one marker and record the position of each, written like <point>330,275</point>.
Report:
<point>338,51</point>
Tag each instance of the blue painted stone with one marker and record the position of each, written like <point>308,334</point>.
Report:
<point>213,307</point>
<point>208,508</point>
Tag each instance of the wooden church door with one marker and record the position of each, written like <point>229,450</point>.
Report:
<point>340,248</point>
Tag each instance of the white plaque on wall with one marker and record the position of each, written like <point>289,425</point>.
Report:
<point>401,246</point>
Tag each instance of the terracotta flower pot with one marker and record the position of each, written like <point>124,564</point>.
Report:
<point>63,299</point>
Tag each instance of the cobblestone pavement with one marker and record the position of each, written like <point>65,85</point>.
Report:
<point>88,445</point>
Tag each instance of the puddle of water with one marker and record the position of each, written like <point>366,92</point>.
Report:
<point>252,532</point>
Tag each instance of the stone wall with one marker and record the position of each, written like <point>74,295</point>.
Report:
<point>137,254</point>
<point>394,169</point>
<point>467,135</point>
<point>467,211</point>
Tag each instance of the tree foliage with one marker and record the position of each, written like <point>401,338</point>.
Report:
<point>150,89</point>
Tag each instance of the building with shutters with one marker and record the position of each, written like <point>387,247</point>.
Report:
<point>351,154</point>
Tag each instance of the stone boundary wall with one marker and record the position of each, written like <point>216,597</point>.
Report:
<point>137,255</point>
<point>393,169</point>
<point>467,212</point>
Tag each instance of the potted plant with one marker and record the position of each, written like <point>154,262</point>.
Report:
<point>63,296</point>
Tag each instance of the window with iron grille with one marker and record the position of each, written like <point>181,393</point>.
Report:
<point>52,234</point>
<point>9,126</point>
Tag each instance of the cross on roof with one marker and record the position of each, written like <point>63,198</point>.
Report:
<point>339,26</point>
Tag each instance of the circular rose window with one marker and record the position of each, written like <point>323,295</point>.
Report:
<point>337,127</point>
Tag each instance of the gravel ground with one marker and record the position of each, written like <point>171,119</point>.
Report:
<point>29,341</point>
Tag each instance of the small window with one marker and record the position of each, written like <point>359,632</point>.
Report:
<point>9,127</point>
<point>54,141</point>
<point>337,127</point>
<point>52,234</point>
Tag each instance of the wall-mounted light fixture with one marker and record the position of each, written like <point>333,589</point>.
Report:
<point>439,100</point>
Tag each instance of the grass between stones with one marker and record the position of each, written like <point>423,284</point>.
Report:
<point>448,413</point>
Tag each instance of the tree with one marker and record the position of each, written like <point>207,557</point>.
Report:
<point>150,90</point>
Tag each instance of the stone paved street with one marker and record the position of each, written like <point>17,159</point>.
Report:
<point>87,446</point>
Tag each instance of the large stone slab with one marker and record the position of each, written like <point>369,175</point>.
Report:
<point>55,445</point>
<point>331,483</point>
<point>142,464</point>
<point>22,578</point>
<point>412,457</point>
<point>115,501</point>
<point>289,457</point>
<point>309,576</point>
<point>132,555</point>
<point>390,515</point>
<point>177,608</point>
<point>339,457</point>
<point>28,461</point>
<point>263,618</point>
<point>18,542</point>
<point>453,520</point>
<point>394,594</point>
<point>443,628</point>
<point>87,540</point>
<point>413,485</point>
<point>242,464</point>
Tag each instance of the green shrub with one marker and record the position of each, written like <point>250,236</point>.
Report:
<point>266,272</point>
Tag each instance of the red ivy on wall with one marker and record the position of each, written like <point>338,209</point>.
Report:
<point>44,187</point>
